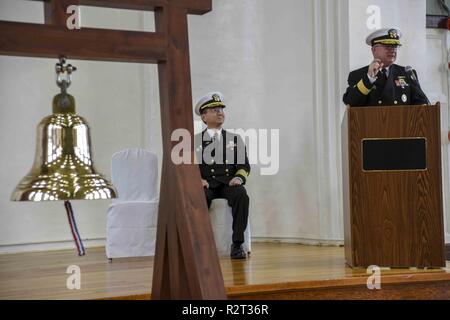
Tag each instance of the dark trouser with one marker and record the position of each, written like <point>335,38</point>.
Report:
<point>238,201</point>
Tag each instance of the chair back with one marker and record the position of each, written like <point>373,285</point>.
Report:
<point>134,173</point>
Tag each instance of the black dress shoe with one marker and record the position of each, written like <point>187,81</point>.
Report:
<point>237,252</point>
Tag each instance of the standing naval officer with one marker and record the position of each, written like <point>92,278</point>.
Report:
<point>224,166</point>
<point>384,83</point>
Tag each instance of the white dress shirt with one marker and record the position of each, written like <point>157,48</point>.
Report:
<point>373,79</point>
<point>212,132</point>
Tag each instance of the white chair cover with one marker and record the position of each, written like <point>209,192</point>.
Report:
<point>222,224</point>
<point>132,217</point>
<point>135,175</point>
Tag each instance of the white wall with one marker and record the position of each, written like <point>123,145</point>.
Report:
<point>281,64</point>
<point>407,15</point>
<point>110,96</point>
<point>436,85</point>
<point>259,55</point>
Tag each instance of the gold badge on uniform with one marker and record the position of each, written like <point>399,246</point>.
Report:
<point>401,82</point>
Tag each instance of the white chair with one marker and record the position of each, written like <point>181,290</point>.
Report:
<point>132,217</point>
<point>222,224</point>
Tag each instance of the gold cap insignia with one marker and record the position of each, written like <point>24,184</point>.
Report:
<point>393,34</point>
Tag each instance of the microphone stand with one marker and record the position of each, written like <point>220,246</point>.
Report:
<point>412,76</point>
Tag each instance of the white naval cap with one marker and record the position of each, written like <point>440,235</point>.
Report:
<point>385,36</point>
<point>210,100</point>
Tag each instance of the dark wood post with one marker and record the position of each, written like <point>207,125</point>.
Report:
<point>186,261</point>
<point>186,265</point>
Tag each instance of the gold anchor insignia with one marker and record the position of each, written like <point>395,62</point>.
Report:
<point>216,97</point>
<point>393,33</point>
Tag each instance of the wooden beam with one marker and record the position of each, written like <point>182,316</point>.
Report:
<point>186,260</point>
<point>192,6</point>
<point>37,40</point>
<point>55,12</point>
<point>186,264</point>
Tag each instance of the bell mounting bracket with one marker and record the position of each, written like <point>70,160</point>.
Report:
<point>63,69</point>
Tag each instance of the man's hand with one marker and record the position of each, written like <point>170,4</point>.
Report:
<point>235,182</point>
<point>205,183</point>
<point>375,67</point>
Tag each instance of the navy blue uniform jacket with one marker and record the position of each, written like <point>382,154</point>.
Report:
<point>398,89</point>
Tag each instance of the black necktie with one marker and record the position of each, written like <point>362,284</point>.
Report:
<point>384,73</point>
<point>215,144</point>
<point>382,79</point>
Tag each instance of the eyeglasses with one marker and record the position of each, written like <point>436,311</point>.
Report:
<point>216,110</point>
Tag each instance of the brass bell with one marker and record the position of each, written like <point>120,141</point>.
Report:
<point>63,168</point>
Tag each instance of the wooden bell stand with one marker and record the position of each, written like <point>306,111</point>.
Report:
<point>186,264</point>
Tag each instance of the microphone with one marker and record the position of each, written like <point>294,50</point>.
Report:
<point>410,72</point>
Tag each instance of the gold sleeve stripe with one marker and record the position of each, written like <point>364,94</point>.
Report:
<point>212,104</point>
<point>242,172</point>
<point>362,88</point>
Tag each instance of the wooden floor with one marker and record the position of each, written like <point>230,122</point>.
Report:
<point>273,271</point>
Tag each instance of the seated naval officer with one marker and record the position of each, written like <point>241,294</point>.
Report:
<point>224,166</point>
<point>383,83</point>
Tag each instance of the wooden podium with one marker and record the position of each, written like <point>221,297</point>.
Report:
<point>393,214</point>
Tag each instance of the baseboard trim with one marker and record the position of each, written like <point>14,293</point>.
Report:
<point>50,246</point>
<point>309,242</point>
<point>89,243</point>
